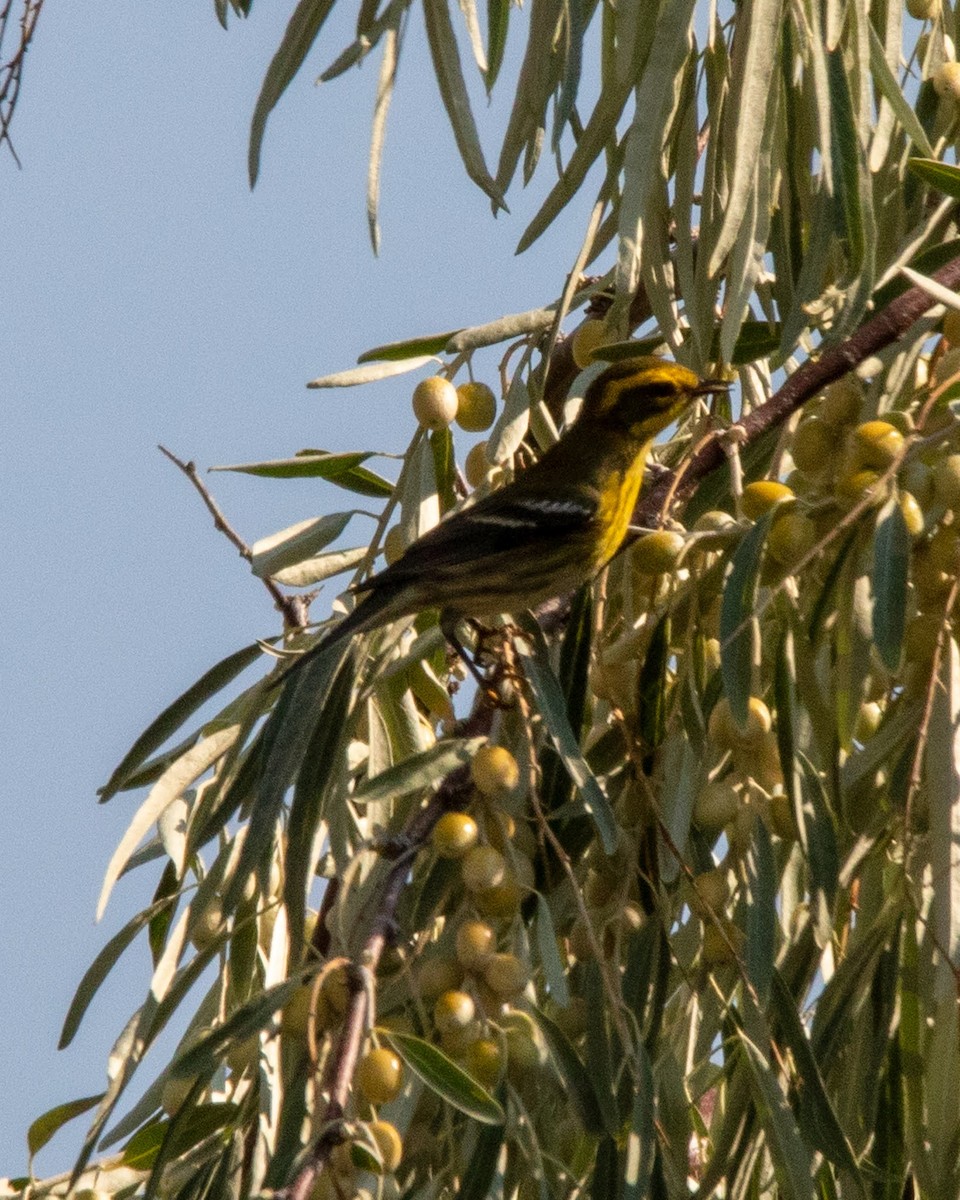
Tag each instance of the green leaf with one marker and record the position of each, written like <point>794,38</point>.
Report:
<point>418,772</point>
<point>172,717</point>
<point>498,21</point>
<point>889,88</point>
<point>503,329</point>
<point>641,1138</point>
<point>573,1074</point>
<point>737,618</point>
<point>444,466</point>
<point>301,32</point>
<point>762,913</point>
<point>788,1150</point>
<point>891,569</point>
<point>430,345</point>
<point>744,113</point>
<point>443,1077</point>
<point>453,92</point>
<point>341,469</point>
<point>599,1053</point>
<point>371,372</point>
<point>297,542</point>
<point>205,1055</point>
<point>321,761</point>
<point>550,703</point>
<point>942,176</point>
<point>171,784</point>
<point>815,1111</point>
<point>476,1181</point>
<point>554,974</point>
<point>43,1128</point>
<point>199,1122</point>
<point>652,686</point>
<point>101,967</point>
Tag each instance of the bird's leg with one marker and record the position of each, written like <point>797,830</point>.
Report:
<point>448,625</point>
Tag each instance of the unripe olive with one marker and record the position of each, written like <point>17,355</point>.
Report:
<point>379,1076</point>
<point>759,497</point>
<point>394,544</point>
<point>781,820</point>
<point>501,902</point>
<point>476,941</point>
<point>814,445</point>
<point>842,401</point>
<point>483,868</point>
<point>946,480</point>
<point>946,81</point>
<point>951,318</point>
<point>724,731</point>
<point>711,891</point>
<point>854,485</point>
<point>526,1049</point>
<point>209,926</point>
<point>792,536</point>
<point>721,944</point>
<point>716,805</point>
<point>454,834</point>
<point>438,974</point>
<point>923,10</point>
<point>484,1060</point>
<point>877,444</point>
<point>505,975</point>
<point>868,720</point>
<point>495,772</point>
<point>389,1143</point>
<point>586,338</point>
<point>476,466</point>
<point>476,407</point>
<point>656,553</point>
<point>435,402</point>
<point>912,514</point>
<point>453,1012</point>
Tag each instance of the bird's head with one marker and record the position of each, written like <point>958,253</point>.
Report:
<point>645,394</point>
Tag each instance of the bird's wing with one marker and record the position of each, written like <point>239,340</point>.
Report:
<point>495,530</point>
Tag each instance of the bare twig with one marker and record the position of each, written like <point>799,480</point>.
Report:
<point>11,71</point>
<point>292,608</point>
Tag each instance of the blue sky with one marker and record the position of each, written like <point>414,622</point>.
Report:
<point>149,296</point>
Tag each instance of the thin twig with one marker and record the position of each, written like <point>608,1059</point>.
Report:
<point>292,608</point>
<point>11,72</point>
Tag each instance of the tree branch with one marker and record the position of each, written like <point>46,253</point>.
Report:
<point>292,608</point>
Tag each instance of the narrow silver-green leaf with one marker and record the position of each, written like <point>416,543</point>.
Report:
<point>891,571</point>
<point>301,32</point>
<point>296,543</point>
<point>551,705</point>
<point>419,771</point>
<point>889,88</point>
<point>44,1127</point>
<point>501,330</point>
<point>172,717</point>
<point>737,618</point>
<point>371,372</point>
<point>430,345</point>
<point>573,1074</point>
<point>554,974</point>
<point>453,92</point>
<point>443,1077</point>
<point>943,176</point>
<point>745,114</point>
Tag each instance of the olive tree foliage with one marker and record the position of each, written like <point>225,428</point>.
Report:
<point>707,940</point>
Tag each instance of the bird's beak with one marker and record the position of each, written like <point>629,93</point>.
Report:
<point>710,387</point>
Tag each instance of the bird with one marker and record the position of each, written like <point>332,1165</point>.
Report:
<point>548,531</point>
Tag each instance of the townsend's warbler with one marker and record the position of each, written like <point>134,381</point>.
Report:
<point>548,531</point>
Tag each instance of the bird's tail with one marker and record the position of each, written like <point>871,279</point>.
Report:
<point>372,611</point>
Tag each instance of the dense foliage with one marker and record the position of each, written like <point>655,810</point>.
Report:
<point>672,905</point>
